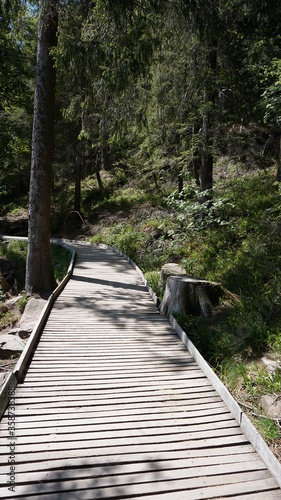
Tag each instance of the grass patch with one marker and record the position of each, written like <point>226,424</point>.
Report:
<point>61,258</point>
<point>7,318</point>
<point>14,252</point>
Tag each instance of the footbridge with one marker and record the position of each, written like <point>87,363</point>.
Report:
<point>111,400</point>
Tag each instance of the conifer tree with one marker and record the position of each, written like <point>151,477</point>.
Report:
<point>39,271</point>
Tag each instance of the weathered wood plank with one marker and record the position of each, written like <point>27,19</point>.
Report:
<point>148,427</point>
<point>215,408</point>
<point>192,459</point>
<point>140,472</point>
<point>117,447</point>
<point>205,397</point>
<point>156,480</point>
<point>207,487</point>
<point>102,437</point>
<point>69,421</point>
<point>135,392</point>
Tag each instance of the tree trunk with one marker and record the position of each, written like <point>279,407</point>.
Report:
<point>186,295</point>
<point>97,169</point>
<point>210,97</point>
<point>206,171</point>
<point>196,164</point>
<point>278,175</point>
<point>98,176</point>
<point>80,159</point>
<point>77,193</point>
<point>39,271</point>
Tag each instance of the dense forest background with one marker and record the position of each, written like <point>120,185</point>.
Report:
<point>161,90</point>
<point>166,145</point>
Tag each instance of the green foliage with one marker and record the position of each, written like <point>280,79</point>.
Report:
<point>123,237</point>
<point>22,302</point>
<point>16,252</point>
<point>271,97</point>
<point>268,429</point>
<point>7,318</point>
<point>17,62</point>
<point>60,259</point>
<point>152,278</point>
<point>2,294</point>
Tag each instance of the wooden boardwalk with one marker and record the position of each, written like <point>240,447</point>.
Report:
<point>113,406</point>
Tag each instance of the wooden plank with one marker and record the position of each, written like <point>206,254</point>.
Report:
<point>123,406</point>
<point>89,427</point>
<point>159,435</point>
<point>269,495</point>
<point>214,408</point>
<point>205,487</point>
<point>91,448</point>
<point>157,481</point>
<point>91,382</point>
<point>157,395</point>
<point>177,460</point>
<point>115,398</point>
<point>189,392</point>
<point>69,421</point>
<point>164,365</point>
<point>140,472</point>
<point>38,459</point>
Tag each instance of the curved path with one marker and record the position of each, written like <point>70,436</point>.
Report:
<point>113,406</point>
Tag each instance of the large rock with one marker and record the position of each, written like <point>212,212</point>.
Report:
<point>185,295</point>
<point>271,365</point>
<point>168,270</point>
<point>271,406</point>
<point>10,344</point>
<point>30,316</point>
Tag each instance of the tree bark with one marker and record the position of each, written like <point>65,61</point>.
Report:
<point>80,159</point>
<point>186,295</point>
<point>39,271</point>
<point>278,175</point>
<point>210,98</point>
<point>206,171</point>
